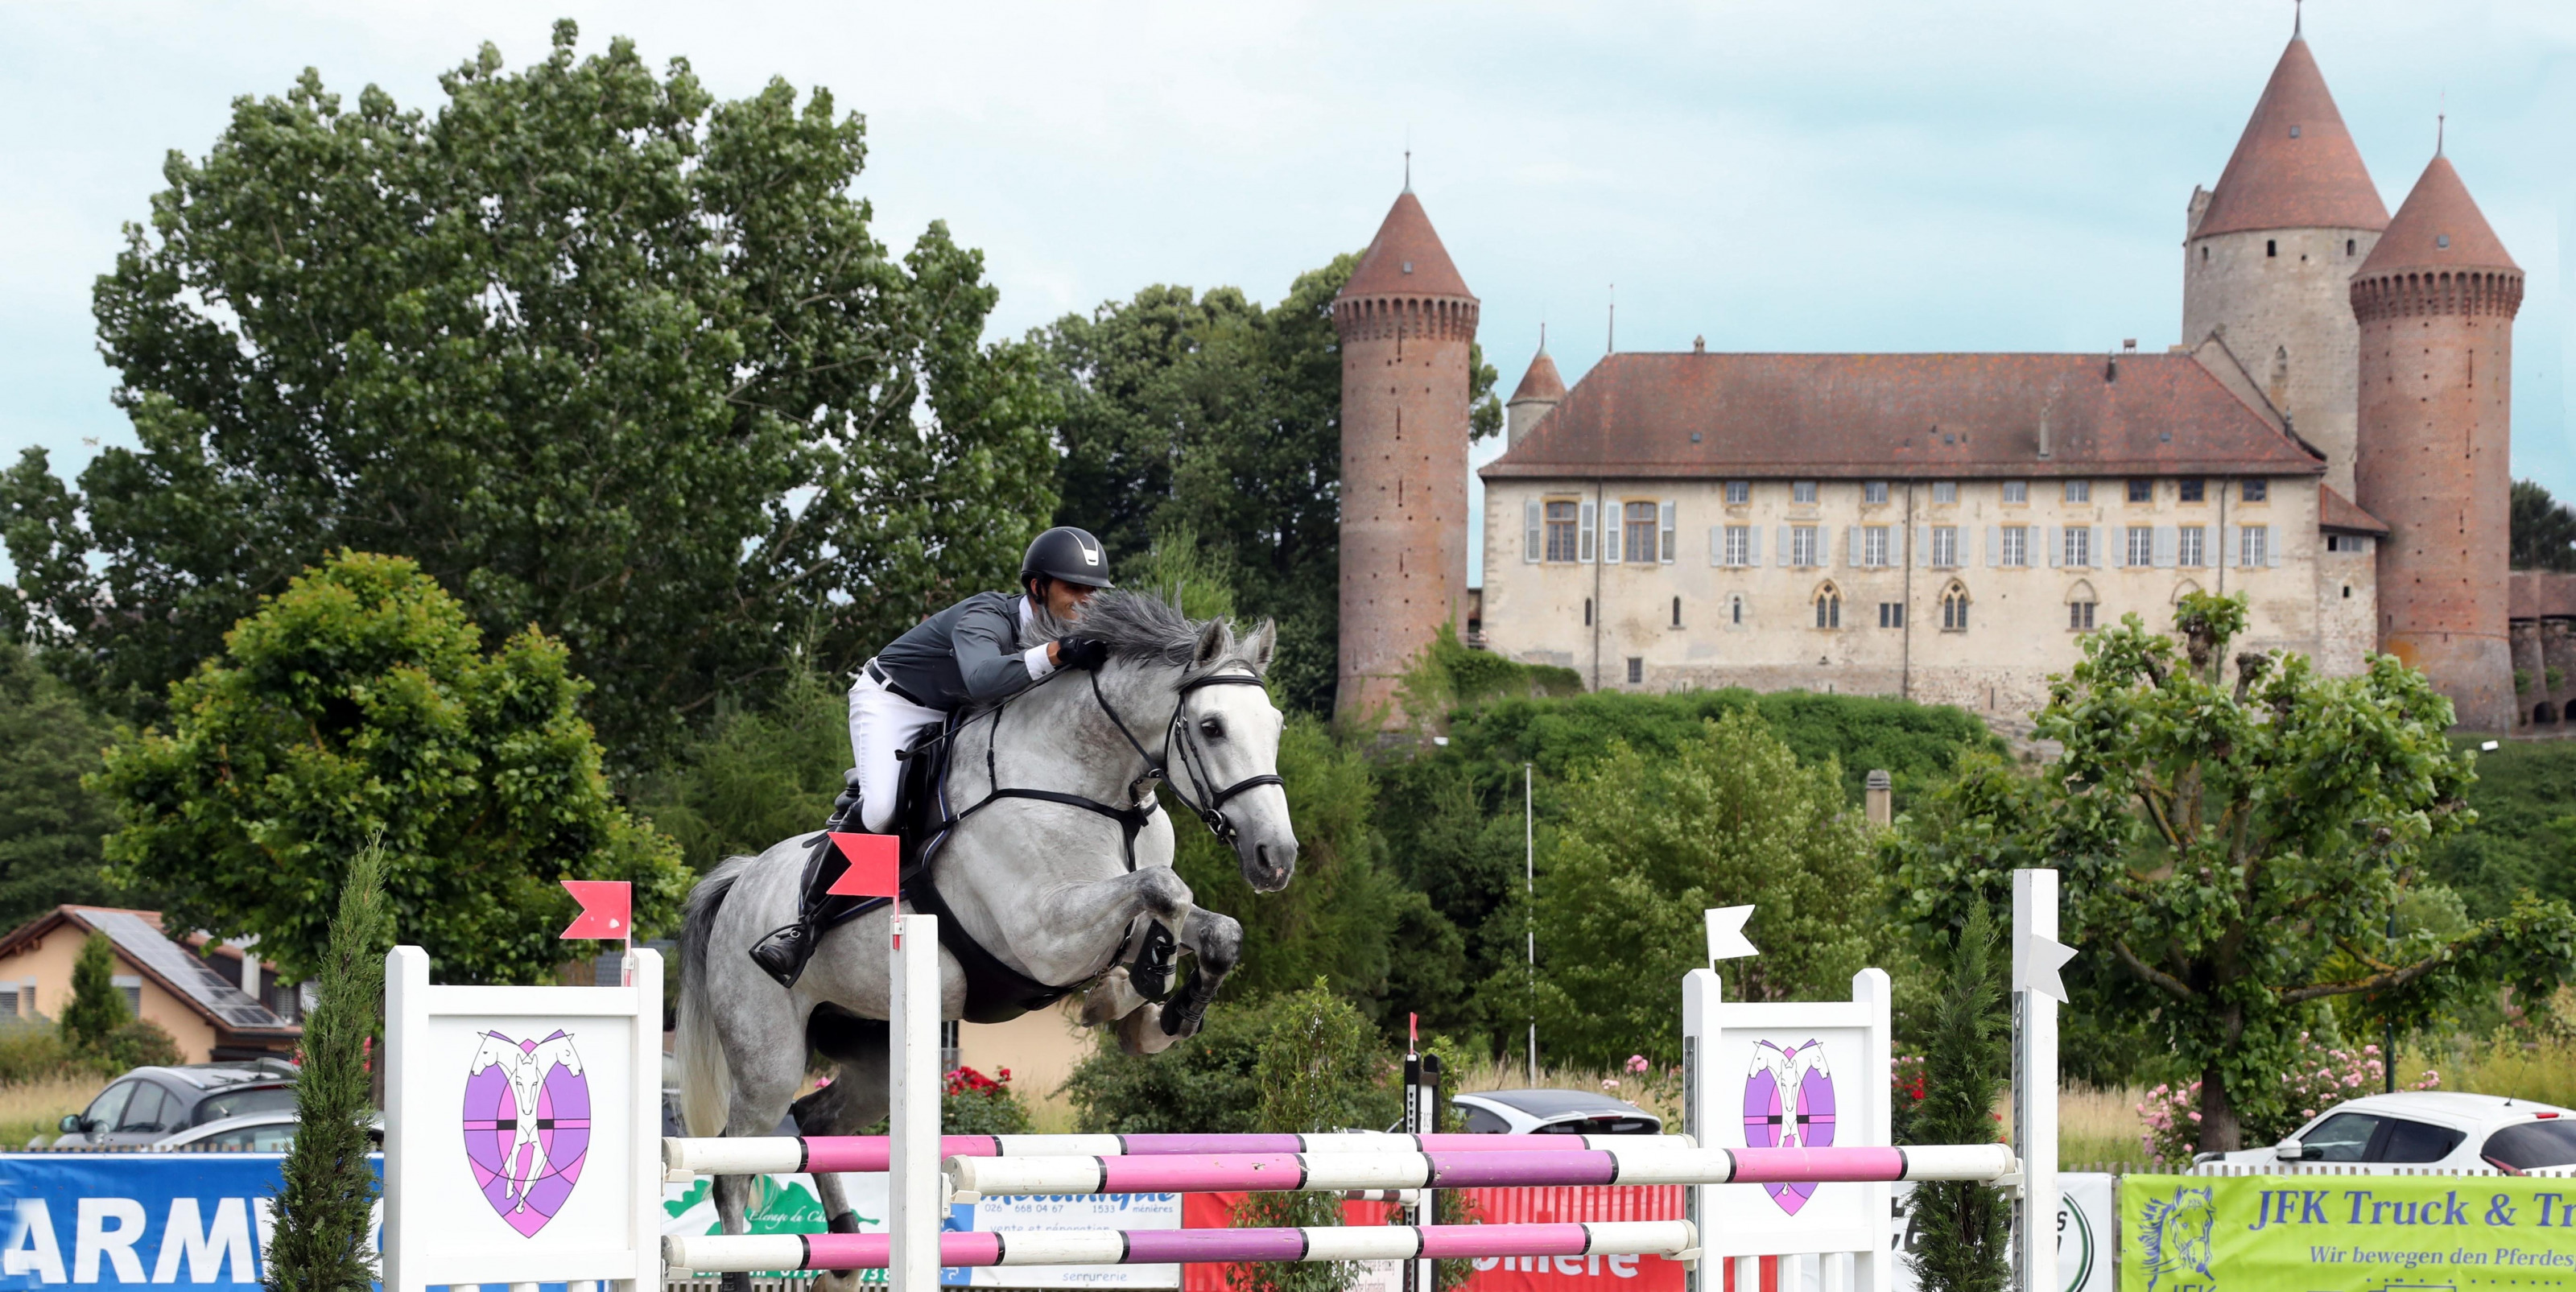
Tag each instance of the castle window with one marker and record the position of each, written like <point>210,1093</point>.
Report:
<point>2142,491</point>
<point>1945,492</point>
<point>1873,546</point>
<point>1802,491</point>
<point>2254,545</point>
<point>1735,609</point>
<point>2442,240</point>
<point>1802,546</point>
<point>2271,248</point>
<point>1637,532</point>
<point>1954,609</point>
<point>2294,132</point>
<point>1829,607</point>
<point>2079,491</point>
<point>2204,253</point>
<point>2194,548</point>
<point>1945,546</point>
<point>2348,245</point>
<point>2079,615</point>
<point>2257,490</point>
<point>1587,612</point>
<point>1738,492</point>
<point>2191,490</point>
<point>1677,612</point>
<point>1874,493</point>
<point>2347,543</point>
<point>2142,545</point>
<point>2075,546</point>
<point>1891,614</point>
<point>1739,546</point>
<point>1561,530</point>
<point>2016,545</point>
<point>1636,671</point>
<point>2016,491</point>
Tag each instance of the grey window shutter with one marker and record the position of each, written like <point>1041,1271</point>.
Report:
<point>1717,544</point>
<point>1665,540</point>
<point>1851,546</point>
<point>2165,547</point>
<point>1610,535</point>
<point>1584,533</point>
<point>1922,545</point>
<point>2229,551</point>
<point>2119,558</point>
<point>1994,546</point>
<point>1753,545</point>
<point>2272,547</point>
<point>1533,531</point>
<point>2056,546</point>
<point>2093,551</point>
<point>1782,535</point>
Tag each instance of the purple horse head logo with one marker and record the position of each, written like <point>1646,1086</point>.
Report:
<point>1789,1103</point>
<point>527,1126</point>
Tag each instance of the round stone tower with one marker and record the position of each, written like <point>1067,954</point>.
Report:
<point>2271,252</point>
<point>2435,304</point>
<point>1540,391</point>
<point>1406,321</point>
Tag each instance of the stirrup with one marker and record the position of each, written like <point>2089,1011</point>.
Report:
<point>784,954</point>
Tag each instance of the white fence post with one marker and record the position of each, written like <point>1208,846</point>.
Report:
<point>2036,992</point>
<point>917,1199</point>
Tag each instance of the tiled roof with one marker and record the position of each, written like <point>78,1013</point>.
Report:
<point>1541,381</point>
<point>138,938</point>
<point>2438,227</point>
<point>2535,594</point>
<point>1901,415</point>
<point>2278,179</point>
<point>2334,511</point>
<point>1406,258</point>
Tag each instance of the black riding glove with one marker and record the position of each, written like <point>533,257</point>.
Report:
<point>1081,652</point>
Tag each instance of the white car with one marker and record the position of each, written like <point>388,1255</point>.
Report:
<point>2426,1128</point>
<point>1553,1112</point>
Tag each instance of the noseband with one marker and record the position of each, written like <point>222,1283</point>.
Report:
<point>1208,804</point>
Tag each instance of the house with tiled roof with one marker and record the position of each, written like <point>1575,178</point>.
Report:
<point>218,1003</point>
<point>2328,439</point>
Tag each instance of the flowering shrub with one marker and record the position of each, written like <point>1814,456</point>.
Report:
<point>2172,1112</point>
<point>971,1103</point>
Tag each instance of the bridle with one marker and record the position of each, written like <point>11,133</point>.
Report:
<point>1208,803</point>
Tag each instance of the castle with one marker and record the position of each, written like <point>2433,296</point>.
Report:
<point>2330,439</point>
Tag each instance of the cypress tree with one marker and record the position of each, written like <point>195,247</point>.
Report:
<point>325,1202</point>
<point>1959,1224</point>
<point>97,1007</point>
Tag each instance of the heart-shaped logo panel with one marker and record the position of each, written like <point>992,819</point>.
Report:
<point>527,1125</point>
<point>1789,1103</point>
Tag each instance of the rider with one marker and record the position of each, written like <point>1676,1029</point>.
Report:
<point>966,655</point>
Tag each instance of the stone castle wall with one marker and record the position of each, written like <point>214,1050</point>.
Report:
<point>2281,301</point>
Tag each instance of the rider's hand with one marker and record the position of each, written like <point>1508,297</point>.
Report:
<point>1080,652</point>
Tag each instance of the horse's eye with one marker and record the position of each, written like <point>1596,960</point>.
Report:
<point>1212,729</point>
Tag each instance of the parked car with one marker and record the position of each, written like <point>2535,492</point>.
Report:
<point>1553,1112</point>
<point>2426,1128</point>
<point>150,1104</point>
<point>262,1132</point>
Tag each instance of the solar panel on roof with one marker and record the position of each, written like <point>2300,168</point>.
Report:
<point>144,944</point>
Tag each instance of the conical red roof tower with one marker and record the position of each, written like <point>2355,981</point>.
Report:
<point>2295,166</point>
<point>2435,303</point>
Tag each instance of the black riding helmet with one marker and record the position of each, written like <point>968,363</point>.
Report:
<point>1070,554</point>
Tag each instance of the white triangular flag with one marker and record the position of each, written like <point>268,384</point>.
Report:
<point>1726,933</point>
<point>2035,965</point>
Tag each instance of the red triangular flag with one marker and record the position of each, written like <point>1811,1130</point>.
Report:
<point>607,909</point>
<point>875,861</point>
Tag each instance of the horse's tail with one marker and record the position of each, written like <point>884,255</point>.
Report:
<point>706,1085</point>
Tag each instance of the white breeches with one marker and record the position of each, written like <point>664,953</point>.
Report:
<point>881,725</point>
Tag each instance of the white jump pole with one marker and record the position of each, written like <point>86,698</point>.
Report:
<point>912,997</point>
<point>2036,992</point>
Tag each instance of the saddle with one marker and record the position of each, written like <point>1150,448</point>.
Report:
<point>924,820</point>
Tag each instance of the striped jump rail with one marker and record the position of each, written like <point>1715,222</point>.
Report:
<point>972,1177</point>
<point>686,1159</point>
<point>722,1253</point>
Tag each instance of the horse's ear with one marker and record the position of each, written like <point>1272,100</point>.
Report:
<point>1264,641</point>
<point>1212,643</point>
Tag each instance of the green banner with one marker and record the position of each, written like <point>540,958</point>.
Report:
<point>2346,1233</point>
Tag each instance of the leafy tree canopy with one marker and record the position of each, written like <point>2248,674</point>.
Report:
<point>599,352</point>
<point>1216,412</point>
<point>2544,530</point>
<point>358,705</point>
<point>1645,842</point>
<point>2235,849</point>
<point>50,824</point>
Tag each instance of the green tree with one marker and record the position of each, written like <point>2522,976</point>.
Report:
<point>2236,849</point>
<point>1645,843</point>
<point>1213,411</point>
<point>1321,1069</point>
<point>326,1193</point>
<point>1964,1068</point>
<point>97,1008</point>
<point>50,824</point>
<point>601,353</point>
<point>358,705</point>
<point>754,776</point>
<point>2544,530</point>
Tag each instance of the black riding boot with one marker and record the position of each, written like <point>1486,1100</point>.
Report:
<point>782,954</point>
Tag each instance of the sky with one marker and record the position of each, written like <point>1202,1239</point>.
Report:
<point>1818,175</point>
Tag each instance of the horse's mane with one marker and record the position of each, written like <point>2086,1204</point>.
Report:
<point>1142,627</point>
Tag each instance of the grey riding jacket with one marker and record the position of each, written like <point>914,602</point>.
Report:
<point>968,654</point>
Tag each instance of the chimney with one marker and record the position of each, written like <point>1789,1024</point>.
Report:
<point>1878,798</point>
<point>2043,432</point>
<point>2129,345</point>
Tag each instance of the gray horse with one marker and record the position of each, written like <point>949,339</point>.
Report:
<point>1053,890</point>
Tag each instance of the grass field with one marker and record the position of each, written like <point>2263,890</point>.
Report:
<point>32,1108</point>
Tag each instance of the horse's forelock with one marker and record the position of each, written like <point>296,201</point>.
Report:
<point>1141,627</point>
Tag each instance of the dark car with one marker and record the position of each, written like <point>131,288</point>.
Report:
<point>149,1104</point>
<point>1554,1112</point>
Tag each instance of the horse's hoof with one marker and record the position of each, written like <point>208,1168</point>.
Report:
<point>738,1281</point>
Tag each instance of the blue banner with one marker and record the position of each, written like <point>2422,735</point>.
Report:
<point>136,1220</point>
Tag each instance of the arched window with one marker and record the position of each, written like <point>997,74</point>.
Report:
<point>1954,608</point>
<point>1829,606</point>
<point>1735,610</point>
<point>1677,612</point>
<point>2184,589</point>
<point>2079,608</point>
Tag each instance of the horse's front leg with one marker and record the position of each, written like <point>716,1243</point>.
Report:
<point>1216,942</point>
